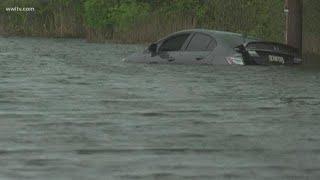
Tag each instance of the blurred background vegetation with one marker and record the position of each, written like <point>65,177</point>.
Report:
<point>135,21</point>
<point>140,21</point>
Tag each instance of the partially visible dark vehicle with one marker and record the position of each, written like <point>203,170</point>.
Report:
<point>200,46</point>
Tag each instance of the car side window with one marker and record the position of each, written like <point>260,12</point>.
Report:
<point>212,45</point>
<point>174,43</point>
<point>201,42</point>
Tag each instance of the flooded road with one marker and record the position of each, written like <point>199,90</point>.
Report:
<point>74,110</point>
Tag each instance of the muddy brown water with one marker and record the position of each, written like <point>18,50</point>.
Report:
<point>74,110</point>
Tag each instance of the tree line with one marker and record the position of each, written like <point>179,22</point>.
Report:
<point>136,21</point>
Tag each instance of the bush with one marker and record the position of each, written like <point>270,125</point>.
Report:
<point>98,13</point>
<point>263,19</point>
<point>127,14</point>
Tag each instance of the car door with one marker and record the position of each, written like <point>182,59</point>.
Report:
<point>198,50</point>
<point>170,48</point>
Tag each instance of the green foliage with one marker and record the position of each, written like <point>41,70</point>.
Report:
<point>253,17</point>
<point>106,14</point>
<point>125,15</point>
<point>262,19</point>
<point>185,6</point>
<point>98,13</point>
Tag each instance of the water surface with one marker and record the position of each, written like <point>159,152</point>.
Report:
<point>74,110</point>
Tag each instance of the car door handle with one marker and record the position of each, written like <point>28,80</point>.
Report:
<point>199,58</point>
<point>170,59</point>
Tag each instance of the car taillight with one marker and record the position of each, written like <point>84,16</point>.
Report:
<point>235,59</point>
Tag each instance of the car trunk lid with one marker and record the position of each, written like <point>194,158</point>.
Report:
<point>269,53</point>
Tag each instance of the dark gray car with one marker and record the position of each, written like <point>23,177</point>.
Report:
<point>200,46</point>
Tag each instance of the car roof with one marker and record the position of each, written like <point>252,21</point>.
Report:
<point>209,31</point>
<point>229,38</point>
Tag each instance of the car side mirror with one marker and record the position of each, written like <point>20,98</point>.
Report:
<point>153,49</point>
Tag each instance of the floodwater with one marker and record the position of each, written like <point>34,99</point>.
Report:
<point>74,110</point>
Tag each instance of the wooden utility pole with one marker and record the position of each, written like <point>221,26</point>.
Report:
<point>293,10</point>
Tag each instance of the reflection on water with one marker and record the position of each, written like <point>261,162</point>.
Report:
<point>73,110</point>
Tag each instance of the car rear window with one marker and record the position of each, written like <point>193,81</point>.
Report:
<point>232,40</point>
<point>174,43</point>
<point>212,45</point>
<point>201,42</point>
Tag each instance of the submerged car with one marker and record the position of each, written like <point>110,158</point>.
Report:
<point>200,46</point>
